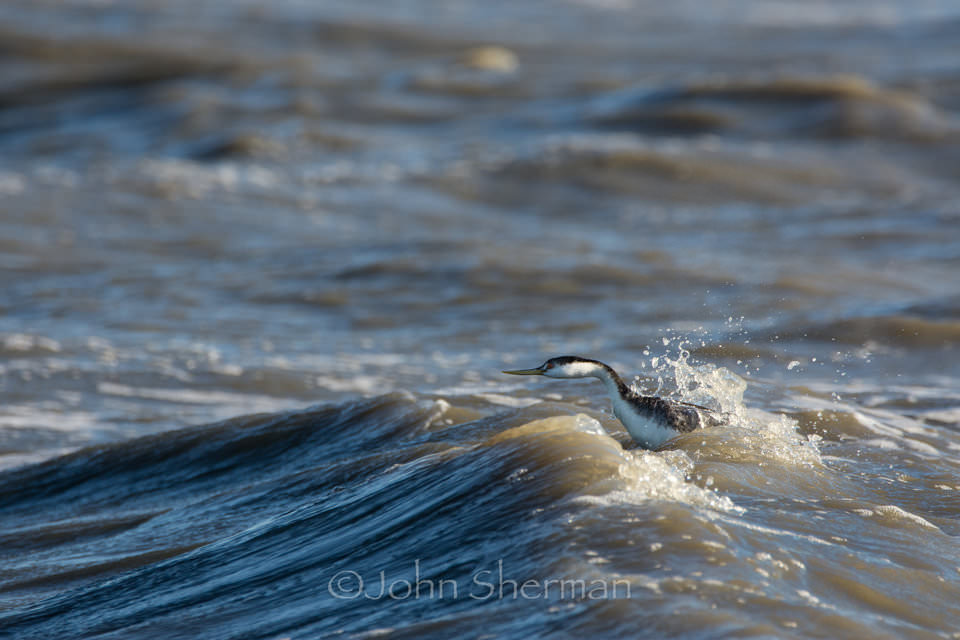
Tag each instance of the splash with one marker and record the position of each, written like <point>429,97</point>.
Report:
<point>751,431</point>
<point>665,476</point>
<point>714,387</point>
<point>643,476</point>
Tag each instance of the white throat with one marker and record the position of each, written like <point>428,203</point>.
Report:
<point>643,428</point>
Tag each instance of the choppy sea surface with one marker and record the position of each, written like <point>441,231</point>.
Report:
<point>261,265</point>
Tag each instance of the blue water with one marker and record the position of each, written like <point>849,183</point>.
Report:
<point>262,266</point>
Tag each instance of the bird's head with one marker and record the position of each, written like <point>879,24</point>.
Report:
<point>562,367</point>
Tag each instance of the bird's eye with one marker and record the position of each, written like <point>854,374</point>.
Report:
<point>549,365</point>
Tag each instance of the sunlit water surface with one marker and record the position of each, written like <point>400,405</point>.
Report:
<point>263,263</point>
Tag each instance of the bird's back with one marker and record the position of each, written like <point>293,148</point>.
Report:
<point>678,416</point>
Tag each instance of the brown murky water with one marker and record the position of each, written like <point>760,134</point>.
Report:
<point>319,231</point>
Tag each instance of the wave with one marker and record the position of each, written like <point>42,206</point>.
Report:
<point>894,330</point>
<point>831,106</point>
<point>333,519</point>
<point>179,528</point>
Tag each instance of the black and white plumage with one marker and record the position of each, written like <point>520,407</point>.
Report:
<point>650,420</point>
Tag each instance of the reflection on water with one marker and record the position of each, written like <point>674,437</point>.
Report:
<point>212,210</point>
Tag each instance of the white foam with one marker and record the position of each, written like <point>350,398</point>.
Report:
<point>30,416</point>
<point>767,435</point>
<point>12,184</point>
<point>947,416</point>
<point>367,385</point>
<point>650,476</point>
<point>228,404</point>
<point>27,342</point>
<point>589,425</point>
<point>897,513</point>
<point>773,531</point>
<point>508,401</point>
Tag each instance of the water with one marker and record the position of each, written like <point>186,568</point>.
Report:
<point>262,266</point>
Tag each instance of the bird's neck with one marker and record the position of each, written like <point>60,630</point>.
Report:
<point>615,386</point>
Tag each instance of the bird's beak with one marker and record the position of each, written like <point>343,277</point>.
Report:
<point>526,372</point>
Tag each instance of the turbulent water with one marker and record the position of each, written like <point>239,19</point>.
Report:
<point>262,264</point>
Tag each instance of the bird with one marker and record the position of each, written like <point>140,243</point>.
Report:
<point>650,420</point>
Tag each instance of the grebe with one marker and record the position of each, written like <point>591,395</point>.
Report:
<point>650,420</point>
